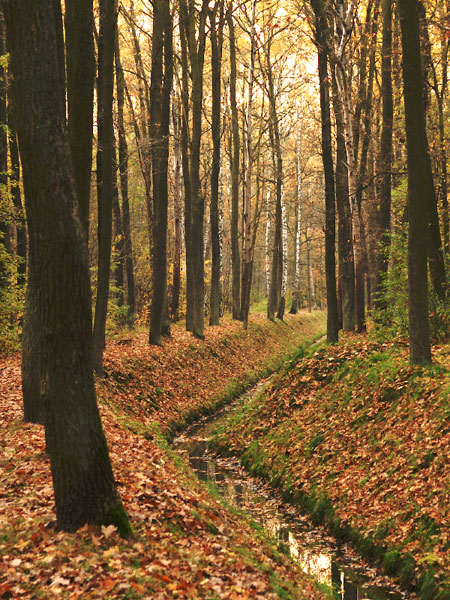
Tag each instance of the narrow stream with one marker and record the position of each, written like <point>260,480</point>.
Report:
<point>317,553</point>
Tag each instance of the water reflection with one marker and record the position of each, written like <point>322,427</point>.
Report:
<point>306,545</point>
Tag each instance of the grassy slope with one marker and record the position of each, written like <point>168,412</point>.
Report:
<point>361,439</point>
<point>185,544</point>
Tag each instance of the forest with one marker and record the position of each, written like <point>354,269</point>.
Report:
<point>224,301</point>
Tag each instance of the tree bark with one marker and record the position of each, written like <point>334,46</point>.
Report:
<point>105,150</point>
<point>123,173</point>
<point>419,170</point>
<point>235,154</point>
<point>178,213</point>
<point>345,229</point>
<point>321,39</point>
<point>82,476</point>
<point>385,158</point>
<point>196,38</point>
<point>4,219</point>
<point>298,223</point>
<point>216,64</point>
<point>80,64</point>
<point>160,95</point>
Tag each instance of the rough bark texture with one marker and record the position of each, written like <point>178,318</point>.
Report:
<point>80,64</point>
<point>418,167</point>
<point>82,476</point>
<point>160,94</point>
<point>105,150</point>
<point>327,157</point>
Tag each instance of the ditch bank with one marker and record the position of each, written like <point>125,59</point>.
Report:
<point>166,388</point>
<point>359,439</point>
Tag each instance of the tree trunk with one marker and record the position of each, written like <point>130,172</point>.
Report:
<point>385,159</point>
<point>83,481</point>
<point>246,213</point>
<point>123,173</point>
<point>196,38</point>
<point>80,63</point>
<point>345,229</point>
<point>298,223</point>
<point>4,219</point>
<point>216,63</point>
<point>160,94</point>
<point>176,282</point>
<point>119,262</point>
<point>234,155</point>
<point>185,144</point>
<point>321,36</point>
<point>105,150</point>
<point>419,170</point>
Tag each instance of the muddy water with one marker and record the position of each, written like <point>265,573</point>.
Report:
<point>316,552</point>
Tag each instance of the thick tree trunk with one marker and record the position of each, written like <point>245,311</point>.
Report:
<point>104,172</point>
<point>327,157</point>
<point>419,170</point>
<point>234,155</point>
<point>80,63</point>
<point>123,173</point>
<point>216,62</point>
<point>82,476</point>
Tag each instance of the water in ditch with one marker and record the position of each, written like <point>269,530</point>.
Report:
<point>316,552</point>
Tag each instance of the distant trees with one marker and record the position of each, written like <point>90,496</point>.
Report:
<point>206,203</point>
<point>83,482</point>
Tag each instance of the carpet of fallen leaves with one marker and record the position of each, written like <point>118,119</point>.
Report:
<point>185,543</point>
<point>172,384</point>
<point>357,423</point>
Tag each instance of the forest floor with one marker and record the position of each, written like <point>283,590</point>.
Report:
<point>185,544</point>
<point>360,439</point>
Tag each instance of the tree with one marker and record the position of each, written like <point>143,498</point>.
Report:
<point>216,63</point>
<point>321,37</point>
<point>419,171</point>
<point>160,93</point>
<point>105,151</point>
<point>80,64</point>
<point>385,158</point>
<point>234,154</point>
<point>195,38</point>
<point>83,481</point>
<point>123,173</point>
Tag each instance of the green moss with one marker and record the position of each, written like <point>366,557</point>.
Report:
<point>117,516</point>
